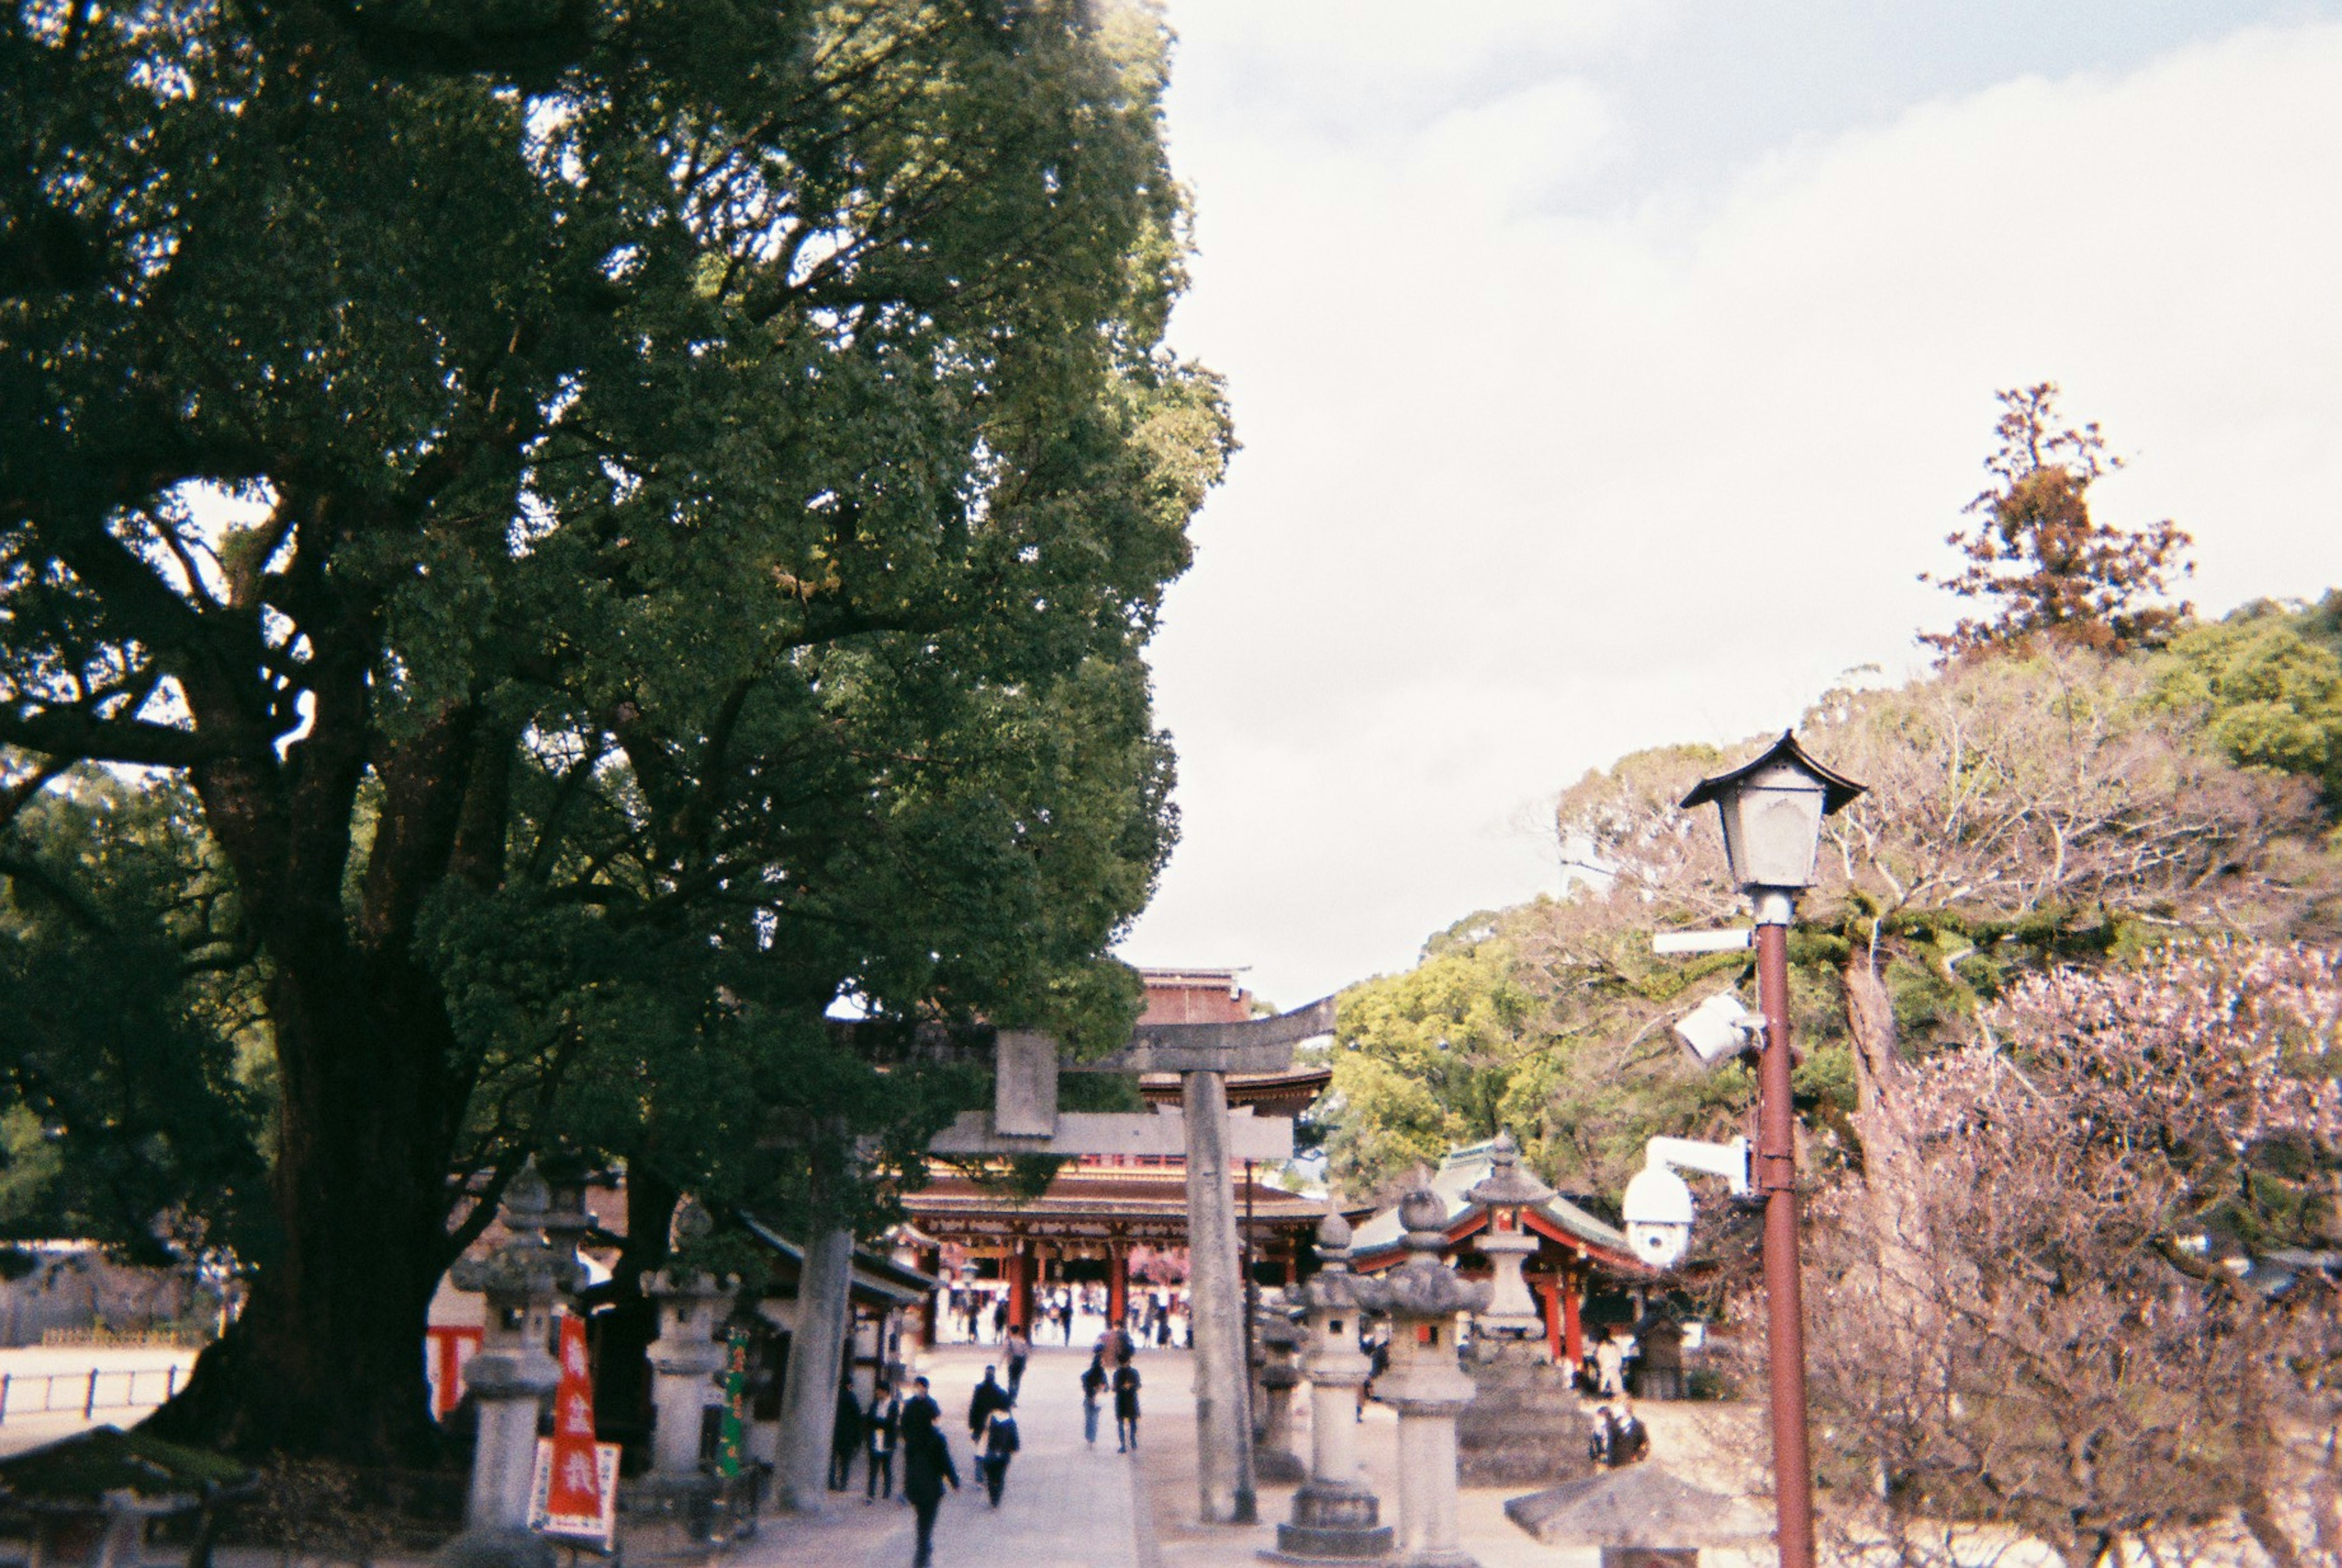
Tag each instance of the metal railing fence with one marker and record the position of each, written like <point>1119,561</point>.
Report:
<point>84,1393</point>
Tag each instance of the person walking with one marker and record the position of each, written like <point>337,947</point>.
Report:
<point>845,1437</point>
<point>1610,1365</point>
<point>988,1397</point>
<point>1094,1382</point>
<point>1000,1445</point>
<point>886,1428</point>
<point>1019,1350</point>
<point>1125,1406</point>
<point>927,1466</point>
<point>919,1411</point>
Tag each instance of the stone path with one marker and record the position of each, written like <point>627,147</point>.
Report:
<point>1066,1505</point>
<point>1071,1507</point>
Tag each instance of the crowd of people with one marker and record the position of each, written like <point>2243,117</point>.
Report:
<point>1064,1314</point>
<point>894,1427</point>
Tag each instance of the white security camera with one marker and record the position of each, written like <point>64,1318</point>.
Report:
<point>1658,1206</point>
<point>1718,1030</point>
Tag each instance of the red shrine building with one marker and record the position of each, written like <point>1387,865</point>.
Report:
<point>1099,1211</point>
<point>1584,1270</point>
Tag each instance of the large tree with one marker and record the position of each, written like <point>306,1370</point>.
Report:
<point>632,519</point>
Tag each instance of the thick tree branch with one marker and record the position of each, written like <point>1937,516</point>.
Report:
<point>65,735</point>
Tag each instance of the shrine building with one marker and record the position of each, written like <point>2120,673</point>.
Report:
<point>1097,1208</point>
<point>1584,1270</point>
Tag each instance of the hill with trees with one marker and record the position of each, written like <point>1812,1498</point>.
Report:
<point>2068,995</point>
<point>2083,779</point>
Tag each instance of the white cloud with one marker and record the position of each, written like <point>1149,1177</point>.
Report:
<point>1526,486</point>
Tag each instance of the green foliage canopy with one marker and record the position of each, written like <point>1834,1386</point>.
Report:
<point>632,521</point>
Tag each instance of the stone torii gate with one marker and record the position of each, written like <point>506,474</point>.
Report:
<point>1025,1120</point>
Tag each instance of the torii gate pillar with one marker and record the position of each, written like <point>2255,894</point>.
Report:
<point>1215,1309</point>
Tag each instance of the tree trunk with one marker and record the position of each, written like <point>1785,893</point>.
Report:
<point>622,1374</point>
<point>1895,1179</point>
<point>327,1360</point>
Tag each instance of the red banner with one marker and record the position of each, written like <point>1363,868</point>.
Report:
<point>573,1499</point>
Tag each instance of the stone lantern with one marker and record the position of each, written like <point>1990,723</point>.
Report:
<point>1334,1517</point>
<point>1426,1385</point>
<point>514,1374</point>
<point>1523,1424</point>
<point>686,1355</point>
<point>1504,1193</point>
<point>1280,1341</point>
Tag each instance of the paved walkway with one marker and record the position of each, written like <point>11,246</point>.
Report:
<point>1066,1505</point>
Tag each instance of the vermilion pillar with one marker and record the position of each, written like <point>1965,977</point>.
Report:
<point>1550,1288</point>
<point>1020,1287</point>
<point>1117,1281</point>
<point>1572,1331</point>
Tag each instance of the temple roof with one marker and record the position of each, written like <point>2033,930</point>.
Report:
<point>878,1280</point>
<point>1147,1202</point>
<point>1378,1240</point>
<point>1286,1093</point>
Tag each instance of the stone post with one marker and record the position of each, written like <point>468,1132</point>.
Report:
<point>1215,1304</point>
<point>1335,1518</point>
<point>1426,1385</point>
<point>513,1375</point>
<point>686,1355</point>
<point>816,1352</point>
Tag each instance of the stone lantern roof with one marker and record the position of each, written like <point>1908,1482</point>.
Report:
<point>1424,1289</point>
<point>1506,1185</point>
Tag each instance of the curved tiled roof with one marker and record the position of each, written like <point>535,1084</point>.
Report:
<point>1377,1240</point>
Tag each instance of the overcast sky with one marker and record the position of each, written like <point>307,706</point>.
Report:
<point>1605,372</point>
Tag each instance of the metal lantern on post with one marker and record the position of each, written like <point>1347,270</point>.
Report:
<point>1772,810</point>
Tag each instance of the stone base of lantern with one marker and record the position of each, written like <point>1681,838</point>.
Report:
<point>1273,1466</point>
<point>699,1509</point>
<point>1332,1524</point>
<point>1526,1425</point>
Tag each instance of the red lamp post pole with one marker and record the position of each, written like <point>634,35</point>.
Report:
<point>1776,1177</point>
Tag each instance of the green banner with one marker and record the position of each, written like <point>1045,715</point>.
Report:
<point>733,1446</point>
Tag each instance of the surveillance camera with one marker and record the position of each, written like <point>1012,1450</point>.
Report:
<point>1716,1030</point>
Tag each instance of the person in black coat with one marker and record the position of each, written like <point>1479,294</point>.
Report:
<point>919,1410</point>
<point>1094,1381</point>
<point>1125,1406</point>
<point>845,1437</point>
<point>989,1396</point>
<point>884,1424</point>
<point>1000,1445</point>
<point>927,1466</point>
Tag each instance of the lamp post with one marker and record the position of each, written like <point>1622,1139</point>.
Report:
<point>1772,810</point>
